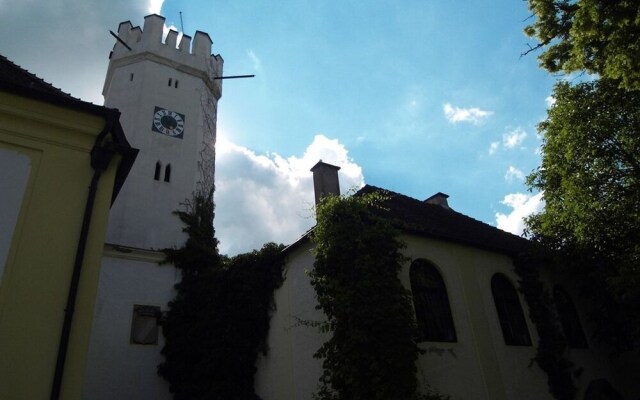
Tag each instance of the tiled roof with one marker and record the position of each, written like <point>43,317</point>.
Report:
<point>14,75</point>
<point>18,80</point>
<point>430,220</point>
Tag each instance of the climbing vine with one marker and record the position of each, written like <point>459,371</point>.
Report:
<point>552,344</point>
<point>218,323</point>
<point>372,352</point>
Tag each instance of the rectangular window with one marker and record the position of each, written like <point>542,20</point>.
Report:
<point>144,324</point>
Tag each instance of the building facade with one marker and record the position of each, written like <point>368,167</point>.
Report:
<point>62,162</point>
<point>167,92</point>
<point>473,323</point>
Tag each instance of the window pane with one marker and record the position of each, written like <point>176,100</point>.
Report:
<point>512,321</point>
<point>569,319</point>
<point>433,313</point>
<point>144,326</point>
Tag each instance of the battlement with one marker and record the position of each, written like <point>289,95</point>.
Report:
<point>191,56</point>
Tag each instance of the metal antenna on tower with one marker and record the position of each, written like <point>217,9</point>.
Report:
<point>181,24</point>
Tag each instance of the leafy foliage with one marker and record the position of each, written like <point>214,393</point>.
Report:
<point>596,36</point>
<point>590,176</point>
<point>372,352</point>
<point>552,346</point>
<point>219,320</point>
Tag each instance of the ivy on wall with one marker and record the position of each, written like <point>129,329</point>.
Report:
<point>218,323</point>
<point>372,351</point>
<point>552,344</point>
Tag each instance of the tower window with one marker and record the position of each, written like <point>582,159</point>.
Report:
<point>131,77</point>
<point>156,175</point>
<point>169,82</point>
<point>512,322</point>
<point>176,84</point>
<point>167,173</point>
<point>433,313</point>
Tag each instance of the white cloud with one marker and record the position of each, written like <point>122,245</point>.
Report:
<point>155,6</point>
<point>255,60</point>
<point>513,173</point>
<point>473,115</point>
<point>269,198</point>
<point>514,138</point>
<point>494,147</point>
<point>522,206</point>
<point>165,32</point>
<point>550,100</point>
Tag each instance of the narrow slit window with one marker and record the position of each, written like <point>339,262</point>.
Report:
<point>156,175</point>
<point>176,84</point>
<point>131,77</point>
<point>167,173</point>
<point>169,82</point>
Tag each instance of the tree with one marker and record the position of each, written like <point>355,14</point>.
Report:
<point>597,36</point>
<point>590,175</point>
<point>187,325</point>
<point>219,320</point>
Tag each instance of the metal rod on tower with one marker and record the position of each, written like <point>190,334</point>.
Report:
<point>181,24</point>
<point>120,40</point>
<point>234,77</point>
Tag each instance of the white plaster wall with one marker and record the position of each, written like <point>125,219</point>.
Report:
<point>142,214</point>
<point>478,366</point>
<point>289,371</point>
<point>14,176</point>
<point>452,368</point>
<point>117,369</point>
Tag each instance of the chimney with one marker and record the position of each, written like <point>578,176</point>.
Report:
<point>325,180</point>
<point>439,199</point>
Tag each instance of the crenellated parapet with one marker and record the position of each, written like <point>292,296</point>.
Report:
<point>187,55</point>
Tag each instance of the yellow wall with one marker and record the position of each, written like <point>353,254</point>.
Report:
<point>37,273</point>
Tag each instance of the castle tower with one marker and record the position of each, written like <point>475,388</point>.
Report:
<point>168,98</point>
<point>167,94</point>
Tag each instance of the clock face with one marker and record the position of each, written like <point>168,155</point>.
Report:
<point>168,123</point>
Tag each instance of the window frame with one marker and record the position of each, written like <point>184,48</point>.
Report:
<point>142,317</point>
<point>569,319</point>
<point>513,323</point>
<point>432,326</point>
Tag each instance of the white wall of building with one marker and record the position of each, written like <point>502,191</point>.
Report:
<point>478,366</point>
<point>117,368</point>
<point>173,76</point>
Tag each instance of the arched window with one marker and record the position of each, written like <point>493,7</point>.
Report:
<point>167,173</point>
<point>431,303</point>
<point>512,322</point>
<point>569,319</point>
<point>156,175</point>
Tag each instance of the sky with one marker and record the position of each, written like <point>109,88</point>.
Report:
<point>414,96</point>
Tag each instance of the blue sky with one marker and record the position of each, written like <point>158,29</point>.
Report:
<point>416,96</point>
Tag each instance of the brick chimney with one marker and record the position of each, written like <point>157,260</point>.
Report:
<point>439,199</point>
<point>325,180</point>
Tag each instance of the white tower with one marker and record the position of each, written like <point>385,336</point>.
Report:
<point>167,94</point>
<point>168,98</point>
